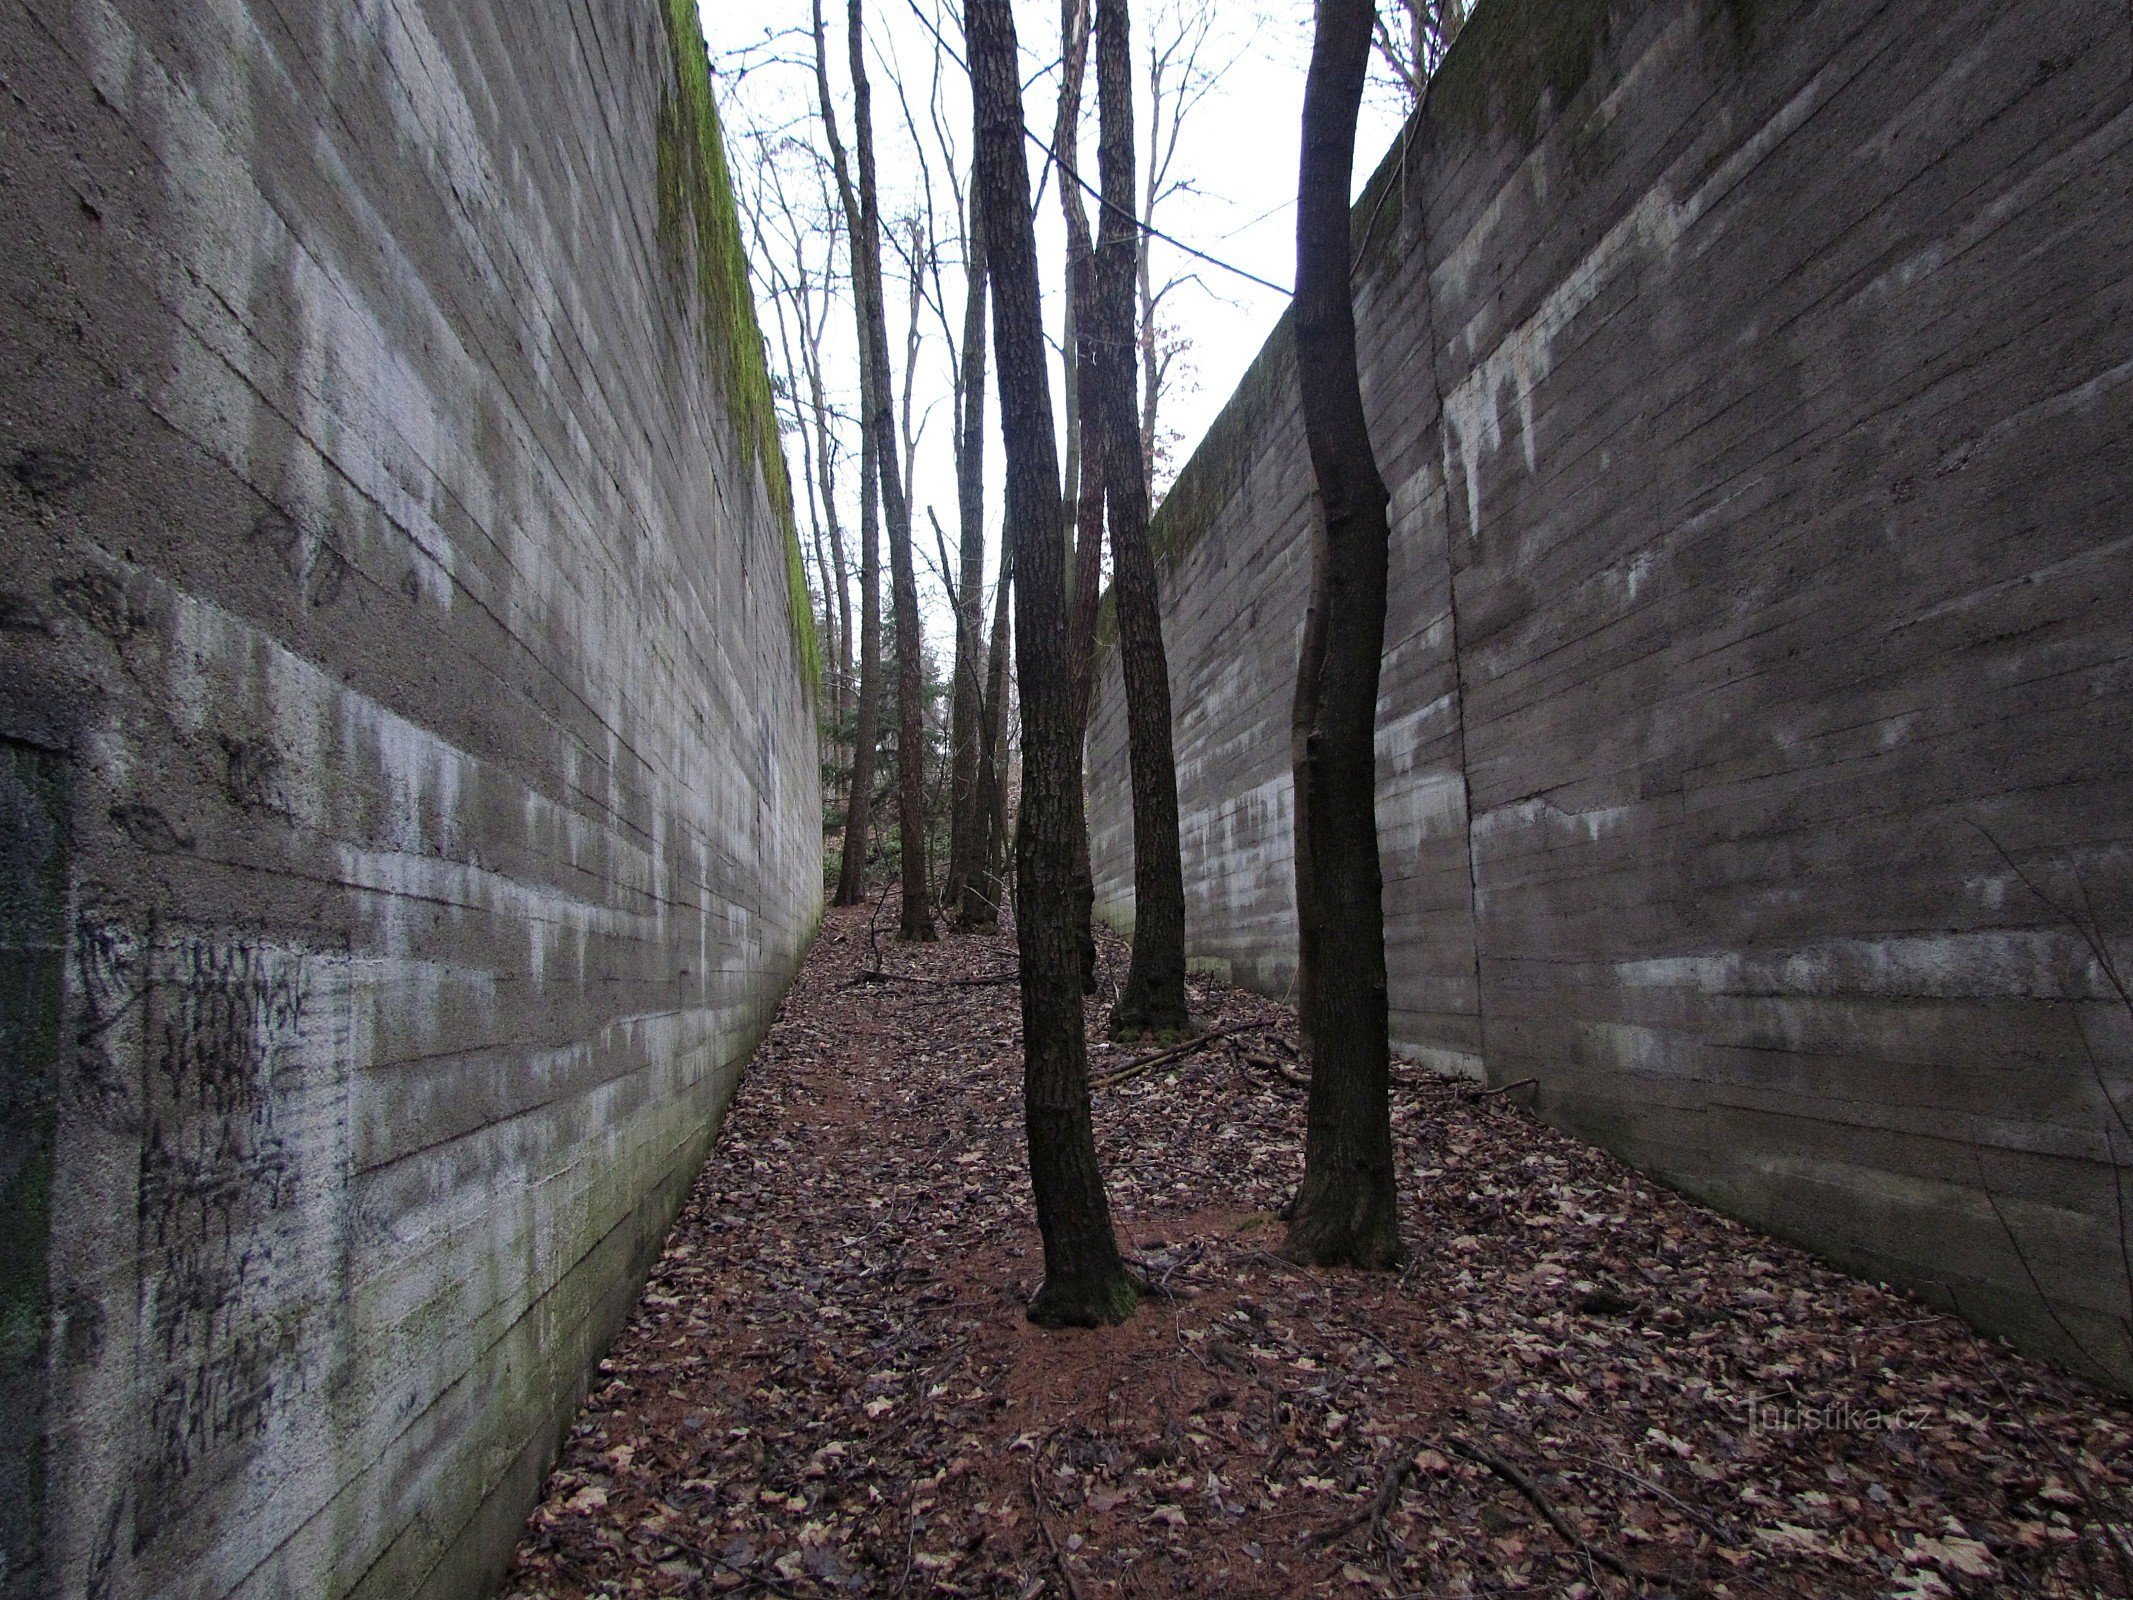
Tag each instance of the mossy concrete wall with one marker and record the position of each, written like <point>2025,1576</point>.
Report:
<point>1754,382</point>
<point>398,651</point>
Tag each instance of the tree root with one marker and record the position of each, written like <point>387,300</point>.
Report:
<point>1380,1507</point>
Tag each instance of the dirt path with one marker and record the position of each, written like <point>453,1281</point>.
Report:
<point>829,1388</point>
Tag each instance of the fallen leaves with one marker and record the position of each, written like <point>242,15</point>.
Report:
<point>828,1387</point>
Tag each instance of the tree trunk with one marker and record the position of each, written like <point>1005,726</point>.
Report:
<point>1153,1000</point>
<point>1144,276</point>
<point>1087,588</point>
<point>1346,1213</point>
<point>1084,482</point>
<point>825,466</point>
<point>983,891</point>
<point>1085,1282</point>
<point>859,804</point>
<point>967,705</point>
<point>917,922</point>
<point>866,729</point>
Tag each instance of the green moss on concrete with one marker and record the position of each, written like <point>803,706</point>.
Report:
<point>1516,58</point>
<point>699,225</point>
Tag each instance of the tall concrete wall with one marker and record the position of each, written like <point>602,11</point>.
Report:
<point>1755,383</point>
<point>406,758</point>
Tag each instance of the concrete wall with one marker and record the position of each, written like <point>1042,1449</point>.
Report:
<point>406,757</point>
<point>1755,385</point>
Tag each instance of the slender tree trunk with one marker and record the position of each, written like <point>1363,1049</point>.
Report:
<point>982,892</point>
<point>967,705</point>
<point>1085,1282</point>
<point>1085,573</point>
<point>1153,1000</point>
<point>822,566</point>
<point>1347,1211</point>
<point>1084,481</point>
<point>1144,278</point>
<point>917,920</point>
<point>1087,596</point>
<point>826,469</point>
<point>859,805</point>
<point>866,729</point>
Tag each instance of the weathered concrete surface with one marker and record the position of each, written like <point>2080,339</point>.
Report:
<point>394,598</point>
<point>1756,390</point>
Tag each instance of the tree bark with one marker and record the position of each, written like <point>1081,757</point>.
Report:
<point>1084,481</point>
<point>866,726</point>
<point>982,894</point>
<point>1085,1282</point>
<point>1346,1212</point>
<point>966,706</point>
<point>826,469</point>
<point>1153,1001</point>
<point>1087,595</point>
<point>852,868</point>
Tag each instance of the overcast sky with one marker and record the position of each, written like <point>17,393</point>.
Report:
<point>1237,151</point>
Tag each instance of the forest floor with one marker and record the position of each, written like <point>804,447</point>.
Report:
<point>1584,1385</point>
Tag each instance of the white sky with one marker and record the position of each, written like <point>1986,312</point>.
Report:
<point>1238,150</point>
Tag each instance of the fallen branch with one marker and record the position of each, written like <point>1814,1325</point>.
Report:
<point>1059,1559</point>
<point>1133,1069</point>
<point>1503,1469</point>
<point>1506,1088</point>
<point>1380,1507</point>
<point>1199,1041</point>
<point>873,976</point>
<point>1269,1064</point>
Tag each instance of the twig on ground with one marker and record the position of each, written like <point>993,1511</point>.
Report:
<point>1475,1451</point>
<point>1044,1524</point>
<point>1715,1529</point>
<point>1506,1088</point>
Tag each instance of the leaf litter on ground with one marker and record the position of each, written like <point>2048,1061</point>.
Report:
<point>1582,1385</point>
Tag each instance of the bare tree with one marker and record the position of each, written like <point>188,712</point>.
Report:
<point>983,892</point>
<point>1346,1212</point>
<point>1153,1000</point>
<point>1085,1281</point>
<point>878,429</point>
<point>1179,79</point>
<point>1412,49</point>
<point>964,338</point>
<point>1084,460</point>
<point>785,236</point>
<point>976,708</point>
<point>966,831</point>
<point>866,296</point>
